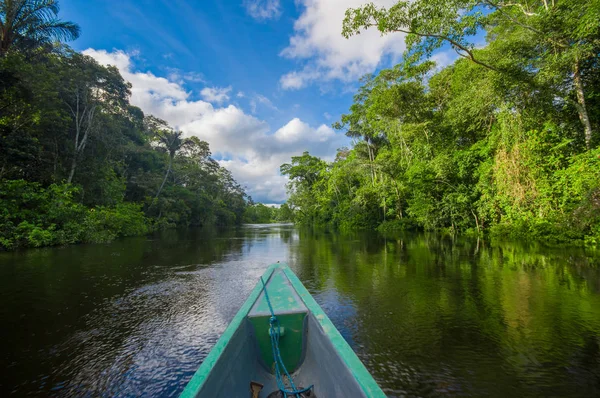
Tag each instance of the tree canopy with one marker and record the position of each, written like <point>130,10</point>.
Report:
<point>503,141</point>
<point>26,25</point>
<point>78,162</point>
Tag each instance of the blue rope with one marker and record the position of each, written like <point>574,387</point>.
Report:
<point>274,333</point>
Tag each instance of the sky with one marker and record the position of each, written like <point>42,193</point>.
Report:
<point>259,80</point>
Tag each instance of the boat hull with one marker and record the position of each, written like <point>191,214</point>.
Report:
<point>322,357</point>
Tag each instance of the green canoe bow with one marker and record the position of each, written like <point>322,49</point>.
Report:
<point>312,348</point>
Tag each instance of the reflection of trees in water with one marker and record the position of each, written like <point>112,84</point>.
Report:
<point>428,314</point>
<point>55,292</point>
<point>260,234</point>
<point>444,315</point>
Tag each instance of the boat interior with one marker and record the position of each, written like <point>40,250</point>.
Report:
<point>306,350</point>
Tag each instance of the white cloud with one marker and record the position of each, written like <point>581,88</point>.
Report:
<point>270,151</point>
<point>240,94</point>
<point>179,76</point>
<point>216,94</point>
<point>261,100</point>
<point>318,40</point>
<point>263,9</point>
<point>252,152</point>
<point>444,58</point>
<point>327,115</point>
<point>298,79</point>
<point>193,77</point>
<point>292,81</point>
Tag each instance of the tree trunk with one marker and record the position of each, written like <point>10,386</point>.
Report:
<point>476,221</point>
<point>398,197</point>
<point>581,107</point>
<point>371,163</point>
<point>80,145</point>
<point>4,44</point>
<point>73,166</point>
<point>164,179</point>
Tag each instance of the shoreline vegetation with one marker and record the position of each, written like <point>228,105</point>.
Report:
<point>78,162</point>
<point>502,142</point>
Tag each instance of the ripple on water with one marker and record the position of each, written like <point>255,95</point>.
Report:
<point>427,316</point>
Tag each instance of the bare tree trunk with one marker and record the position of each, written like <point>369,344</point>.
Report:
<point>476,221</point>
<point>398,197</point>
<point>164,179</point>
<point>371,162</point>
<point>581,107</point>
<point>73,166</point>
<point>79,120</point>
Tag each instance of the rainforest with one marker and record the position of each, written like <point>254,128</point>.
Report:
<point>487,125</point>
<point>502,142</point>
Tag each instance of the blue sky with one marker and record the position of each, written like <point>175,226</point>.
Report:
<point>260,80</point>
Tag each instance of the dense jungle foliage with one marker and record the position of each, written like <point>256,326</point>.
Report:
<point>504,140</point>
<point>258,213</point>
<point>78,162</point>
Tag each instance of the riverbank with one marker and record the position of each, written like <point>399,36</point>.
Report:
<point>35,216</point>
<point>539,231</point>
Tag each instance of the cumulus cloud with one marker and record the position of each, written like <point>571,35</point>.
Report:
<point>298,79</point>
<point>318,42</point>
<point>216,94</point>
<point>249,148</point>
<point>263,9</point>
<point>270,151</point>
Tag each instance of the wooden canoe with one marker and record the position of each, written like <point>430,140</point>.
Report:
<point>312,349</point>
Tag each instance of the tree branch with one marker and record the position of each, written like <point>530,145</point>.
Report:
<point>527,13</point>
<point>456,45</point>
<point>498,7</point>
<point>510,17</point>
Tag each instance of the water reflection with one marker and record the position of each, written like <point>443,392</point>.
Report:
<point>436,316</point>
<point>428,315</point>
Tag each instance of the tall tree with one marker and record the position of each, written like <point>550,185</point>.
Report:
<point>88,89</point>
<point>172,141</point>
<point>548,45</point>
<point>29,24</point>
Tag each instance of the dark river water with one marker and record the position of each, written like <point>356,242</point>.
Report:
<point>428,315</point>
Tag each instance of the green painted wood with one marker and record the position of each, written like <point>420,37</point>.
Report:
<point>290,311</point>
<point>291,344</point>
<point>360,373</point>
<point>195,384</point>
<point>352,368</point>
<point>282,295</point>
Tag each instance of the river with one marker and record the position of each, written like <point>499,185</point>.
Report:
<point>428,315</point>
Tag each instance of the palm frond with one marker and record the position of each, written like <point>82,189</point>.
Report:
<point>33,23</point>
<point>58,30</point>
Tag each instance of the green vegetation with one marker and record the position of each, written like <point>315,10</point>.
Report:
<point>472,302</point>
<point>505,140</point>
<point>78,162</point>
<point>260,214</point>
